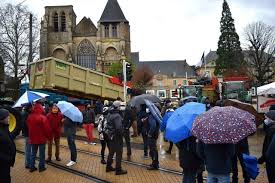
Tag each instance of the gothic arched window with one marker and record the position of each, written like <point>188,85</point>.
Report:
<point>63,22</point>
<point>114,31</point>
<point>86,56</point>
<point>55,22</point>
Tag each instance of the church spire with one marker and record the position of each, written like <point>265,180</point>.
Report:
<point>112,13</point>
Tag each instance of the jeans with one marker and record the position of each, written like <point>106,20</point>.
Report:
<point>218,178</point>
<point>126,135</point>
<point>27,152</point>
<point>145,143</point>
<point>34,148</point>
<point>72,147</point>
<point>50,143</point>
<point>153,151</point>
<point>116,147</point>
<point>189,176</point>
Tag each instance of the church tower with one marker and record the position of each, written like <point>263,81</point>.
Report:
<point>113,37</point>
<point>56,34</point>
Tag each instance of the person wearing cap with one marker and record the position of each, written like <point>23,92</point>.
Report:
<point>114,130</point>
<point>88,123</point>
<point>7,147</point>
<point>270,132</point>
<point>55,120</point>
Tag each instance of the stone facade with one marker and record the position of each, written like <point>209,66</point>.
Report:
<point>83,43</point>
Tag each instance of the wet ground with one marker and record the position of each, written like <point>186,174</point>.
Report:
<point>89,168</point>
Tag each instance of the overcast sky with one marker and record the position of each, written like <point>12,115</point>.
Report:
<point>170,29</point>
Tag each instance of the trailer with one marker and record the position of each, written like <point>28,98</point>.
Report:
<point>59,76</point>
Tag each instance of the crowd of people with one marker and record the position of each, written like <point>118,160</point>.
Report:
<point>113,121</point>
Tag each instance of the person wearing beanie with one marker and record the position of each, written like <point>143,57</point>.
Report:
<point>7,147</point>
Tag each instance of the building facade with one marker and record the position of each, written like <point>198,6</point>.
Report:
<point>90,46</point>
<point>168,75</point>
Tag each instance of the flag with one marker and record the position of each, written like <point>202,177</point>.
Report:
<point>202,60</point>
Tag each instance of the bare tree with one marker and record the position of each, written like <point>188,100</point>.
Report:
<point>15,39</point>
<point>261,54</point>
<point>142,77</point>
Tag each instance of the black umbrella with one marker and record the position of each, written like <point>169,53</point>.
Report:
<point>139,100</point>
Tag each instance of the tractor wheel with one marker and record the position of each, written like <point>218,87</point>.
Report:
<point>16,124</point>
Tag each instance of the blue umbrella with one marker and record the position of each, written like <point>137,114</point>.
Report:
<point>165,118</point>
<point>70,111</point>
<point>179,125</point>
<point>154,110</point>
<point>251,166</point>
<point>29,97</point>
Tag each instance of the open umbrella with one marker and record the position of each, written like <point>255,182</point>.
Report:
<point>165,118</point>
<point>246,107</point>
<point>29,97</point>
<point>224,125</point>
<point>154,110</point>
<point>70,111</point>
<point>140,99</point>
<point>180,123</point>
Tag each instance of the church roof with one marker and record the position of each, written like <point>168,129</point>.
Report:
<point>85,27</point>
<point>112,13</point>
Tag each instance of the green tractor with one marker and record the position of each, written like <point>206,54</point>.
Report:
<point>7,93</point>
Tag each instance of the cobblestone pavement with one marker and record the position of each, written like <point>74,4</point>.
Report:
<point>90,164</point>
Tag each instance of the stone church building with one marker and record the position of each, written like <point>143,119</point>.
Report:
<point>90,46</point>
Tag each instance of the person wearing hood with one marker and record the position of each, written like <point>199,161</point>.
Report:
<point>25,132</point>
<point>55,120</point>
<point>270,132</point>
<point>39,133</point>
<point>7,147</point>
<point>114,130</point>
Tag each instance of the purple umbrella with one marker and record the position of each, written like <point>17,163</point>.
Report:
<point>223,125</point>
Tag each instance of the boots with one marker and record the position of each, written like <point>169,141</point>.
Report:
<point>121,172</point>
<point>110,169</point>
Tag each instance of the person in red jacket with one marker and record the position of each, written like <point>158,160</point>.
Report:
<point>39,133</point>
<point>55,121</point>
